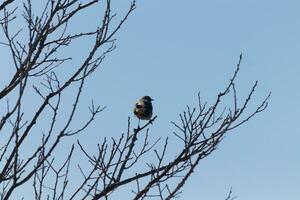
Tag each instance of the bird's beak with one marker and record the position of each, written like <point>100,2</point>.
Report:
<point>152,99</point>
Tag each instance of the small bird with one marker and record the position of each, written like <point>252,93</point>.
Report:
<point>143,108</point>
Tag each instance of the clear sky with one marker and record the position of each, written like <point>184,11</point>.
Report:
<point>172,49</point>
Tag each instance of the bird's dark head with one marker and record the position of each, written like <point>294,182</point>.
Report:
<point>147,98</point>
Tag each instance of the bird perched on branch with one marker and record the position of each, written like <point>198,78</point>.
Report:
<point>143,108</point>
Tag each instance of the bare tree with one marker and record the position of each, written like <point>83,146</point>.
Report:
<point>37,53</point>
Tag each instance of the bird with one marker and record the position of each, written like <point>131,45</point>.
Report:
<point>143,109</point>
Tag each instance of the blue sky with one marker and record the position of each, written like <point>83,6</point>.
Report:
<point>172,49</point>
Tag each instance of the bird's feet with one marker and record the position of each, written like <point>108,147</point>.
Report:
<point>137,129</point>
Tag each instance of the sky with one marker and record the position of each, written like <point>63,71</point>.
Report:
<point>170,50</point>
<point>173,49</point>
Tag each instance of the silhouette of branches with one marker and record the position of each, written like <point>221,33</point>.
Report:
<point>5,3</point>
<point>36,61</point>
<point>200,131</point>
<point>229,196</point>
<point>32,136</point>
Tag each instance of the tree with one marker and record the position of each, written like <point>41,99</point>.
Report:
<point>37,51</point>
